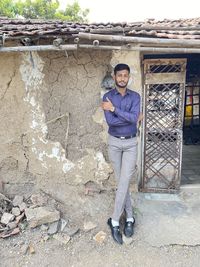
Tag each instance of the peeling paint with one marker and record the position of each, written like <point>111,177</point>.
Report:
<point>33,141</point>
<point>41,155</point>
<point>34,149</point>
<point>44,165</point>
<point>34,124</point>
<point>42,148</point>
<point>44,141</point>
<point>100,158</point>
<point>32,101</point>
<point>55,153</point>
<point>67,167</point>
<point>44,129</point>
<point>91,167</point>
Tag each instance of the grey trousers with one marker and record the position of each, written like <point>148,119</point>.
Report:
<point>122,155</point>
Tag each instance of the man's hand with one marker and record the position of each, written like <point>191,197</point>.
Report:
<point>107,105</point>
<point>140,118</point>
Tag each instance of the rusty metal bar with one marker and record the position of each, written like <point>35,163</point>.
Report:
<point>163,125</point>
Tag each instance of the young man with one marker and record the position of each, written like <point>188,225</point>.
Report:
<point>121,108</point>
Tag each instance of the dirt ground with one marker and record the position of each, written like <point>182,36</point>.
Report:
<point>83,250</point>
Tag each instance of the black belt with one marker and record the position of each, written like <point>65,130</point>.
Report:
<point>126,137</point>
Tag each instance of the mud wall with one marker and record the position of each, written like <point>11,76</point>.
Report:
<point>52,128</point>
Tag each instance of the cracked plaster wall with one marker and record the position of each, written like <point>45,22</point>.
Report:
<point>74,87</point>
<point>52,125</point>
<point>13,115</point>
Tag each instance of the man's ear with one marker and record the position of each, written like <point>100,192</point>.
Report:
<point>113,76</point>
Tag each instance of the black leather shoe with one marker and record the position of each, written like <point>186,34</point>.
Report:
<point>129,228</point>
<point>117,236</point>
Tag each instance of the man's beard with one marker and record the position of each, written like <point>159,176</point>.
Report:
<point>121,86</point>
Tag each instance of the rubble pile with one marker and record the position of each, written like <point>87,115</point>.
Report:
<point>37,210</point>
<point>12,213</point>
<point>38,218</point>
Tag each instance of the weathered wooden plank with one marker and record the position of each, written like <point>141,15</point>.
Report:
<point>166,28</point>
<point>163,78</point>
<point>140,40</point>
<point>100,47</point>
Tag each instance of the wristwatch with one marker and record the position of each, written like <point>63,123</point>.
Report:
<point>112,109</point>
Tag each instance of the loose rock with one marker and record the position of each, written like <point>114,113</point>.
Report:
<point>62,223</point>
<point>46,237</point>
<point>7,217</point>
<point>100,237</point>
<point>41,215</point>
<point>71,231</point>
<point>53,228</point>
<point>3,197</point>
<point>17,201</point>
<point>61,237</point>
<point>89,226</point>
<point>16,211</point>
<point>127,240</point>
<point>44,227</point>
<point>31,249</point>
<point>19,218</point>
<point>22,206</point>
<point>39,200</point>
<point>12,225</point>
<point>24,249</point>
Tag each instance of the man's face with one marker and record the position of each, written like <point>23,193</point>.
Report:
<point>121,78</point>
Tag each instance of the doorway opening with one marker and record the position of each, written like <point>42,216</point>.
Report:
<point>190,143</point>
<point>191,124</point>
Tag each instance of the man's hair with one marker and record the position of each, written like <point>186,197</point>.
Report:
<point>121,66</point>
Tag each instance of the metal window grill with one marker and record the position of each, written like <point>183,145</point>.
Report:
<point>164,94</point>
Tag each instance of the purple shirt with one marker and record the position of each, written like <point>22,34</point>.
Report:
<point>123,121</point>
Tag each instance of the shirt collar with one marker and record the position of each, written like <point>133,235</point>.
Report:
<point>116,92</point>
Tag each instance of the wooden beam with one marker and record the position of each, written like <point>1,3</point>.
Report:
<point>72,47</point>
<point>38,48</point>
<point>165,28</point>
<point>139,40</point>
